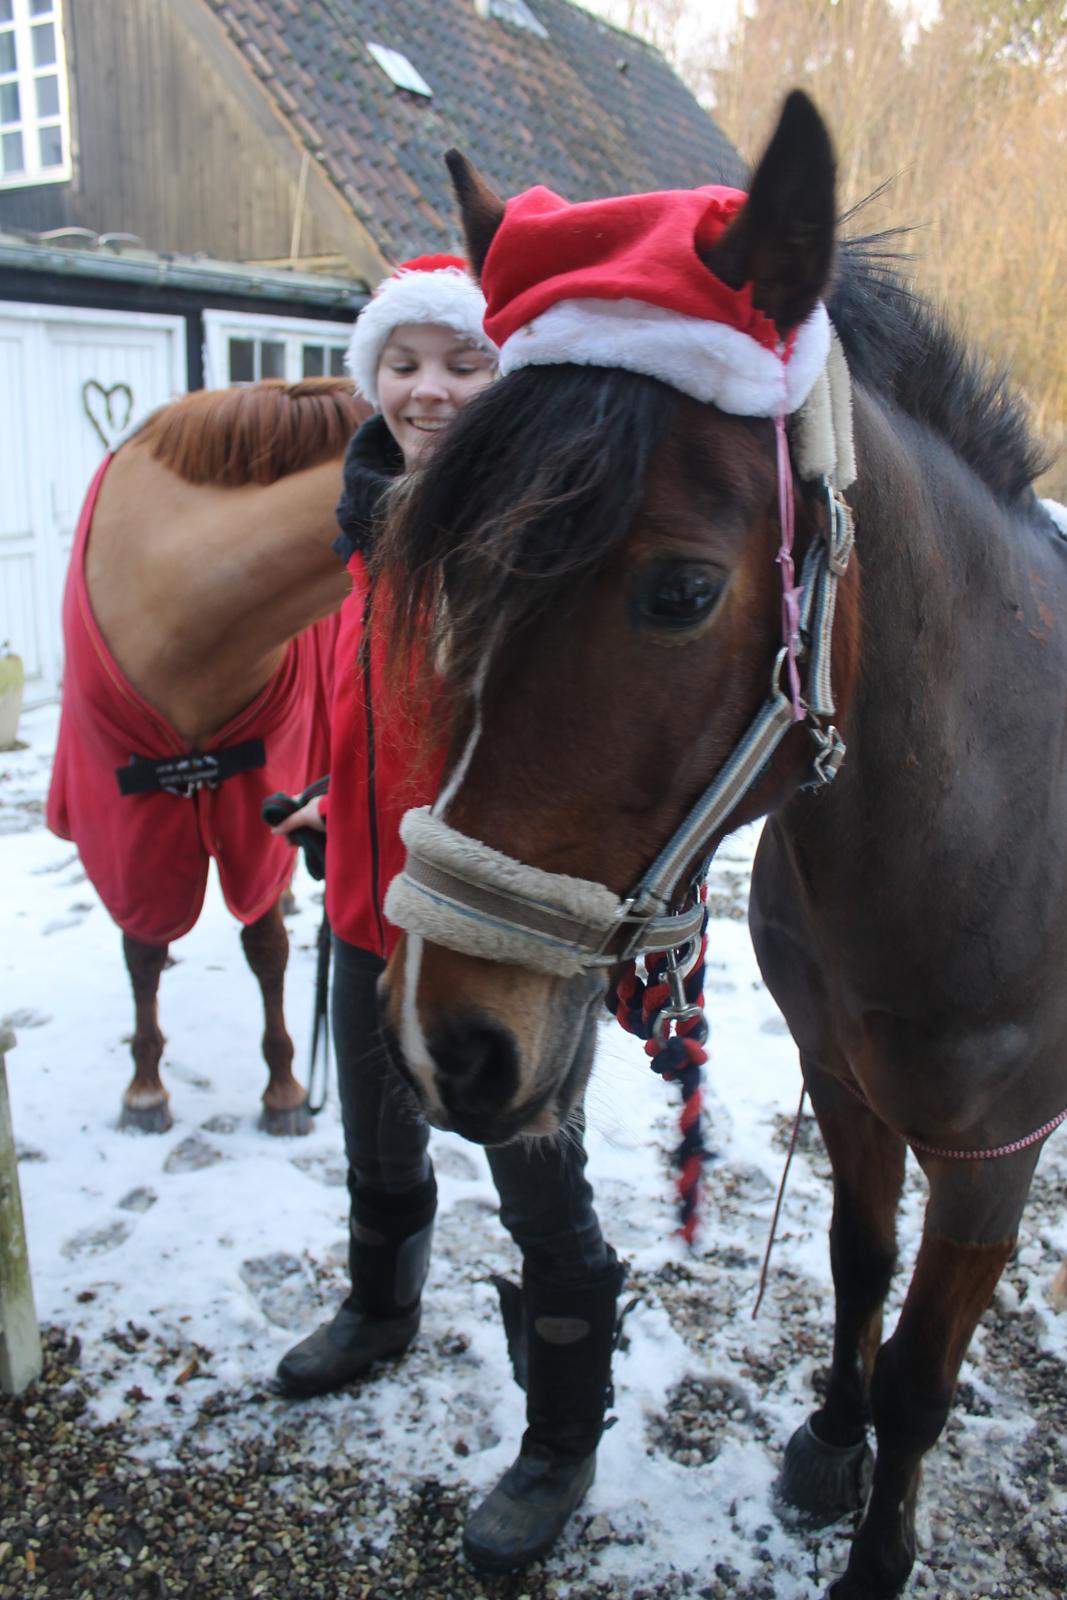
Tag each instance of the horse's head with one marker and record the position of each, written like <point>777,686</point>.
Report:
<point>600,552</point>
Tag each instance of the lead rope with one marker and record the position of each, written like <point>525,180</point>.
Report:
<point>778,1202</point>
<point>648,1008</point>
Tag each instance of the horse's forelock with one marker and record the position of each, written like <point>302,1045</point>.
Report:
<point>254,434</point>
<point>534,485</point>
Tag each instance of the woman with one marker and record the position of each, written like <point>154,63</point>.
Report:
<point>418,353</point>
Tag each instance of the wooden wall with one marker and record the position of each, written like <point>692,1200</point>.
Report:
<point>174,141</point>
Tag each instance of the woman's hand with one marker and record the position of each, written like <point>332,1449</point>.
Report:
<point>309,816</point>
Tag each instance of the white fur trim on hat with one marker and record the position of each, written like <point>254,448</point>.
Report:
<point>445,296</point>
<point>711,361</point>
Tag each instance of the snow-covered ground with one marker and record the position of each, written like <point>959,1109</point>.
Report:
<point>188,1262</point>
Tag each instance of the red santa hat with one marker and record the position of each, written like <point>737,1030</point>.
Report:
<point>620,283</point>
<point>434,289</point>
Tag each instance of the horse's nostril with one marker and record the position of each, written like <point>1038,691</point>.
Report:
<point>477,1065</point>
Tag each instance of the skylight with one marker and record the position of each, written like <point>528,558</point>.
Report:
<point>517,12</point>
<point>398,69</point>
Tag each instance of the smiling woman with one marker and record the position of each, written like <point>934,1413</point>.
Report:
<point>419,353</point>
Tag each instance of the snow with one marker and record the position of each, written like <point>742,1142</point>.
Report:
<point>213,1270</point>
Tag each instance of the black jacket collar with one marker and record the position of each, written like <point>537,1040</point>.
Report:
<point>373,461</point>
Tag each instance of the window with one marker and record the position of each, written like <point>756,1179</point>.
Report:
<point>323,361</point>
<point>34,103</point>
<point>250,359</point>
<point>241,347</point>
<point>399,69</point>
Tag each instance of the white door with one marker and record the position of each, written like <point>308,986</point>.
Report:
<point>71,381</point>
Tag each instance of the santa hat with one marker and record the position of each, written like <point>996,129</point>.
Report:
<point>620,283</point>
<point>437,289</point>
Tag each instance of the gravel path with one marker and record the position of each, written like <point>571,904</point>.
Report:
<point>152,1459</point>
<point>84,1516</point>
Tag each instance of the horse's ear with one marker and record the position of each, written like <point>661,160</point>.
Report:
<point>782,242</point>
<point>482,211</point>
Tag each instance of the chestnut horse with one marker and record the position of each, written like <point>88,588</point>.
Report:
<point>203,556</point>
<point>598,553</point>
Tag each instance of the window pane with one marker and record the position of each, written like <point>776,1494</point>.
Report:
<point>242,360</point>
<point>337,363</point>
<point>5,10</point>
<point>11,152</point>
<point>51,146</point>
<point>9,102</point>
<point>48,96</point>
<point>7,51</point>
<point>41,8</point>
<point>272,360</point>
<point>44,44</point>
<point>313,354</point>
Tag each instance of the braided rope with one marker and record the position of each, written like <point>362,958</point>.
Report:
<point>637,1005</point>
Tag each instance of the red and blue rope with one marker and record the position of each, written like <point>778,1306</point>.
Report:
<point>636,1004</point>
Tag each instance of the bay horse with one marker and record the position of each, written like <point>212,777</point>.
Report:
<point>592,555</point>
<point>198,623</point>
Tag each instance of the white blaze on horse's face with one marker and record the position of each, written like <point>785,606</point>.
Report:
<point>512,1058</point>
<point>471,1070</point>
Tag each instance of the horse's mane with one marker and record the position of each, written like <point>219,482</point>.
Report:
<point>254,434</point>
<point>900,346</point>
<point>539,477</point>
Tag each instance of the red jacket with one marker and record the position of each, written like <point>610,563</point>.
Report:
<point>376,771</point>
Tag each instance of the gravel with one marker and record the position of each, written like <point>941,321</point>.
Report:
<point>84,1516</point>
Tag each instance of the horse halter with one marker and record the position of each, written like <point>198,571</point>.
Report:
<point>458,892</point>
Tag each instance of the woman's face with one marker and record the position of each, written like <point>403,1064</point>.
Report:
<point>426,372</point>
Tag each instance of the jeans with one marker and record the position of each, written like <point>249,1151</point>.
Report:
<point>546,1202</point>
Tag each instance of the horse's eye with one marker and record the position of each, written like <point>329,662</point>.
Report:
<point>677,596</point>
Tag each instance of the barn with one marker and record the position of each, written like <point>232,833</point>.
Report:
<point>203,191</point>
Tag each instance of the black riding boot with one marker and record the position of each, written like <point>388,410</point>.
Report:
<point>563,1338</point>
<point>389,1257</point>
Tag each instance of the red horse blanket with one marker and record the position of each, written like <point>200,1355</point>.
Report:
<point>147,854</point>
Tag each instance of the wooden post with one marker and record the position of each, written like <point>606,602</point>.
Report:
<point>20,1340</point>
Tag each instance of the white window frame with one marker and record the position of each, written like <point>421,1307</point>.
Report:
<point>29,123</point>
<point>293,332</point>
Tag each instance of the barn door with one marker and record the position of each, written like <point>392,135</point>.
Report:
<point>71,381</point>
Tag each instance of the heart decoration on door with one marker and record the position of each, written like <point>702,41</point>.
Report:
<point>109,410</point>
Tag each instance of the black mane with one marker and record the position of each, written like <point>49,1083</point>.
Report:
<point>899,346</point>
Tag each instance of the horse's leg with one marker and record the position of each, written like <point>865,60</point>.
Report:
<point>969,1233</point>
<point>826,1472</point>
<point>266,947</point>
<point>145,1102</point>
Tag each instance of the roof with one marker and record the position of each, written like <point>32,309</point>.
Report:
<point>78,253</point>
<point>589,110</point>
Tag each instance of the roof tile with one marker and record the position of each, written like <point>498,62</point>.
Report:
<point>590,110</point>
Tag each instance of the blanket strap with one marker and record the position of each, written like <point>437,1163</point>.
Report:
<point>197,769</point>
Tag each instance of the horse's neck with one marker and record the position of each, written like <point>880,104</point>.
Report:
<point>954,725</point>
<point>197,590</point>
<point>943,564</point>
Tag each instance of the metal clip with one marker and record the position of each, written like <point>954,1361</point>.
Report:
<point>830,748</point>
<point>681,1008</point>
<point>185,775</point>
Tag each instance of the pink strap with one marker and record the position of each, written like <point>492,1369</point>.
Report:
<point>790,592</point>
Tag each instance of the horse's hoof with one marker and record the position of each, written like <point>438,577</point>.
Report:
<point>147,1119</point>
<point>820,1483</point>
<point>291,1124</point>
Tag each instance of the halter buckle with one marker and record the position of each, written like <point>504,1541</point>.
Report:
<point>840,532</point>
